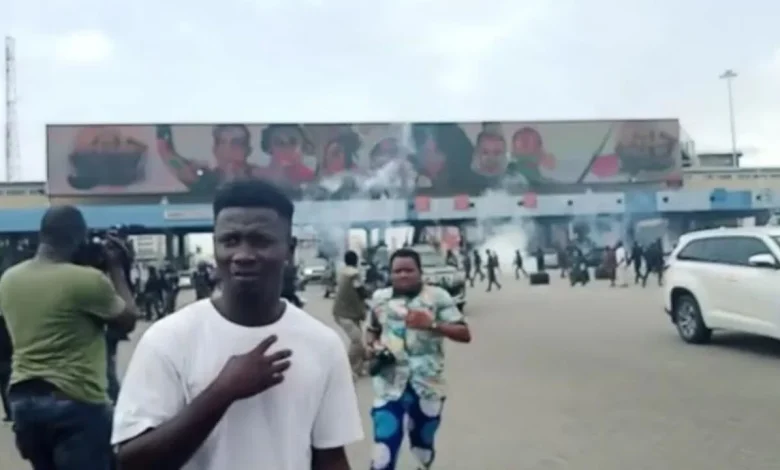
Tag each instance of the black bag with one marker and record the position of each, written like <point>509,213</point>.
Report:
<point>539,279</point>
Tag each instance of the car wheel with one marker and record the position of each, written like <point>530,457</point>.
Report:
<point>687,318</point>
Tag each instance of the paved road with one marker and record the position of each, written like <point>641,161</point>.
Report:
<point>590,379</point>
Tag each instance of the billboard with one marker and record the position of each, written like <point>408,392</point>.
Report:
<point>347,161</point>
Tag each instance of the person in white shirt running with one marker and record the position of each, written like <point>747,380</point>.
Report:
<point>621,255</point>
<point>243,380</point>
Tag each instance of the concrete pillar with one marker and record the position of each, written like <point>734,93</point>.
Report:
<point>170,255</point>
<point>181,242</point>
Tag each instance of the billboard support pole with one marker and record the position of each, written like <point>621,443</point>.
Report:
<point>729,75</point>
<point>11,143</point>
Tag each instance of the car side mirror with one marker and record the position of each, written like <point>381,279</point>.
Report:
<point>763,260</point>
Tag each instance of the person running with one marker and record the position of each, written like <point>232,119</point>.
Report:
<point>492,272</point>
<point>609,265</point>
<point>564,260</point>
<point>519,265</point>
<point>407,327</point>
<point>349,310</point>
<point>637,255</point>
<point>243,380</point>
<point>654,262</point>
<point>478,266</point>
<point>621,261</point>
<point>467,268</point>
<point>492,257</point>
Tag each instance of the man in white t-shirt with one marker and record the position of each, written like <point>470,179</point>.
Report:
<point>243,380</point>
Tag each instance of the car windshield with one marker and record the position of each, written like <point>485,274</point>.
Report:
<point>431,258</point>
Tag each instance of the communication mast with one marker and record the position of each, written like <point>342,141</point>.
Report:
<point>11,131</point>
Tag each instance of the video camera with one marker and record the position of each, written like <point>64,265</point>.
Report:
<point>94,252</point>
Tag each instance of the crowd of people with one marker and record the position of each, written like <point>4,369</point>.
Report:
<point>240,376</point>
<point>573,262</point>
<point>243,374</point>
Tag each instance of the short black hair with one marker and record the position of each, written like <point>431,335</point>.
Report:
<point>217,131</point>
<point>253,193</point>
<point>407,253</point>
<point>350,258</point>
<point>62,225</point>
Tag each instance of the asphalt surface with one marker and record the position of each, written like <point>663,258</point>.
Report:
<point>587,378</point>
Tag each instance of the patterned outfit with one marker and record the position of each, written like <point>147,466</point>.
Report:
<point>414,387</point>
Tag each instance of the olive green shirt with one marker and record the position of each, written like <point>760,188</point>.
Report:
<point>56,316</point>
<point>347,302</point>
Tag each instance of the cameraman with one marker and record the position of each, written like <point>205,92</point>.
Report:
<point>57,313</point>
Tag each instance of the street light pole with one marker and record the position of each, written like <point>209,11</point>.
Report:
<point>729,75</point>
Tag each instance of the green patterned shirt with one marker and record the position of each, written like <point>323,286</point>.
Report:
<point>419,354</point>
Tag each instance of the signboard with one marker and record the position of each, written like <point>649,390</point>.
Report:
<point>347,161</point>
<point>735,179</point>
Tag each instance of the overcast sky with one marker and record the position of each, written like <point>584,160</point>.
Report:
<point>81,61</point>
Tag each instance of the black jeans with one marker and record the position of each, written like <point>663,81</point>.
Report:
<point>5,379</point>
<point>54,432</point>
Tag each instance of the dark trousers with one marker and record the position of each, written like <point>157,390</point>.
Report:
<point>54,432</point>
<point>492,281</point>
<point>113,380</point>
<point>659,272</point>
<point>5,379</point>
<point>518,271</point>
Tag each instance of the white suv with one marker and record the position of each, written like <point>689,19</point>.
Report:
<point>726,278</point>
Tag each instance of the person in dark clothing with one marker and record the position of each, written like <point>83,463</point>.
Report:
<point>154,288</point>
<point>203,281</point>
<point>609,264</point>
<point>478,266</point>
<point>654,262</point>
<point>113,338</point>
<point>467,268</point>
<point>563,261</point>
<point>519,265</point>
<point>494,257</point>
<point>451,259</point>
<point>171,288</point>
<point>492,271</point>
<point>290,278</point>
<point>6,352</point>
<point>637,255</point>
<point>539,255</point>
<point>578,272</point>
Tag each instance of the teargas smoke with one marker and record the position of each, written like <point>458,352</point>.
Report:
<point>503,238</point>
<point>392,178</point>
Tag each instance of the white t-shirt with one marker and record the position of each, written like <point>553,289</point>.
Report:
<point>180,355</point>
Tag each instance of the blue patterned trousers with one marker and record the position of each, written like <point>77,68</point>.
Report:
<point>423,416</point>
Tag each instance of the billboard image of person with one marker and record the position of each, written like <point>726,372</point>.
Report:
<point>348,161</point>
